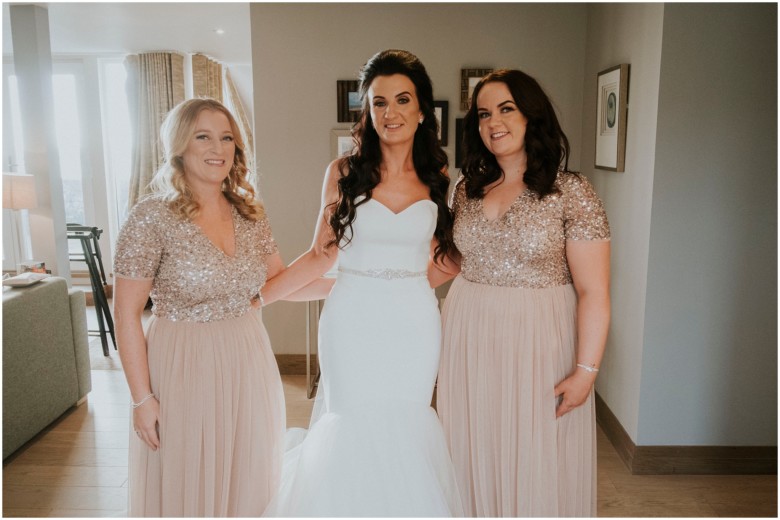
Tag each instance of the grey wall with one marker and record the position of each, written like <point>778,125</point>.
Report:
<point>709,367</point>
<point>300,50</point>
<point>625,33</point>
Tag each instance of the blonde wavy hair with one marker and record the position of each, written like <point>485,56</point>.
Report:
<point>170,180</point>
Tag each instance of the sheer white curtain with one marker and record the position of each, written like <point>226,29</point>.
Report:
<point>155,84</point>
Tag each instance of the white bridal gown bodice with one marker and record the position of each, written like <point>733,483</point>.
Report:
<point>376,447</point>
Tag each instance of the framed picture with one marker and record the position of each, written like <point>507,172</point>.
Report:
<point>612,118</point>
<point>468,80</point>
<point>441,109</point>
<point>348,101</point>
<point>341,142</point>
<point>459,142</point>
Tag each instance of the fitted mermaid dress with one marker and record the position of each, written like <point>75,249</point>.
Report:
<point>377,447</point>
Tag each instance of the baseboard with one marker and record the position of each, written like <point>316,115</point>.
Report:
<point>295,364</point>
<point>615,432</point>
<point>684,460</point>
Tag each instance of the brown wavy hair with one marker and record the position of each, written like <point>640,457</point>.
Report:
<point>361,169</point>
<point>546,146</point>
<point>170,181</point>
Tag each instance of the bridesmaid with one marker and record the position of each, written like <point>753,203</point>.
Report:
<point>208,407</point>
<point>525,322</point>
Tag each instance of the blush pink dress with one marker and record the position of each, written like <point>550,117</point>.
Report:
<point>222,415</point>
<point>509,337</point>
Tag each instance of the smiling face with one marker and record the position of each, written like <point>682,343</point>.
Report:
<point>210,151</point>
<point>395,111</point>
<point>501,124</point>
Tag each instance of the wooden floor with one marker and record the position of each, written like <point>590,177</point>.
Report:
<point>78,467</point>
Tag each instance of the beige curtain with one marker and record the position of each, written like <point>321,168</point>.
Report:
<point>233,103</point>
<point>206,77</point>
<point>155,84</point>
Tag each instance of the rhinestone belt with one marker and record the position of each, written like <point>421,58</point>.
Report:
<point>385,274</point>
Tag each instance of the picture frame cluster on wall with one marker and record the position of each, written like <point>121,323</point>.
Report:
<point>611,115</point>
<point>612,118</point>
<point>349,108</point>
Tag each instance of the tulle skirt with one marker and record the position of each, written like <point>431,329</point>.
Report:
<point>389,460</point>
<point>222,421</point>
<point>504,350</point>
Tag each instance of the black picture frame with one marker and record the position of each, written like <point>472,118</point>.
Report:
<point>612,118</point>
<point>469,79</point>
<point>347,101</point>
<point>442,110</point>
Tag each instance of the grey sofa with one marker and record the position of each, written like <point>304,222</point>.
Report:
<point>46,367</point>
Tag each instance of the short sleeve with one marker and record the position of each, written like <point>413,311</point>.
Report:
<point>268,244</point>
<point>140,243</point>
<point>584,215</point>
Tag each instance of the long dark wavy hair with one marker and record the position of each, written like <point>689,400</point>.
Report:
<point>362,168</point>
<point>546,146</point>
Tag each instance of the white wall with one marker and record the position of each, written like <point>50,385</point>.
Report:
<point>709,369</point>
<point>300,50</point>
<point>692,351</point>
<point>625,33</point>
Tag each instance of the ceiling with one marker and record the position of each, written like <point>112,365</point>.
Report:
<point>98,28</point>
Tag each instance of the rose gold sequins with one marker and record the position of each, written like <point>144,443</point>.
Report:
<point>193,279</point>
<point>526,247</point>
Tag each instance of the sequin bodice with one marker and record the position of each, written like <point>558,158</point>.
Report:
<point>193,279</point>
<point>526,246</point>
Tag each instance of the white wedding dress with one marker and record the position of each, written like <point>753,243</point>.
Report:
<point>376,447</point>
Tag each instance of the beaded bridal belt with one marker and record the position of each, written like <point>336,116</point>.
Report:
<point>385,274</point>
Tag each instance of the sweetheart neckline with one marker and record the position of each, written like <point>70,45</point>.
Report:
<point>406,208</point>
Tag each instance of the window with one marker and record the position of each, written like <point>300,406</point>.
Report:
<point>13,162</point>
<point>117,136</point>
<point>68,130</point>
<point>67,90</point>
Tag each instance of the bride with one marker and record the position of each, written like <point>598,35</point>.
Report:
<point>377,448</point>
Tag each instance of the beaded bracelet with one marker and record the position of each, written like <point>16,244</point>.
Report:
<point>591,368</point>
<point>142,401</point>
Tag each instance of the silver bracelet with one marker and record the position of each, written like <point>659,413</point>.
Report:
<point>142,401</point>
<point>591,368</point>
